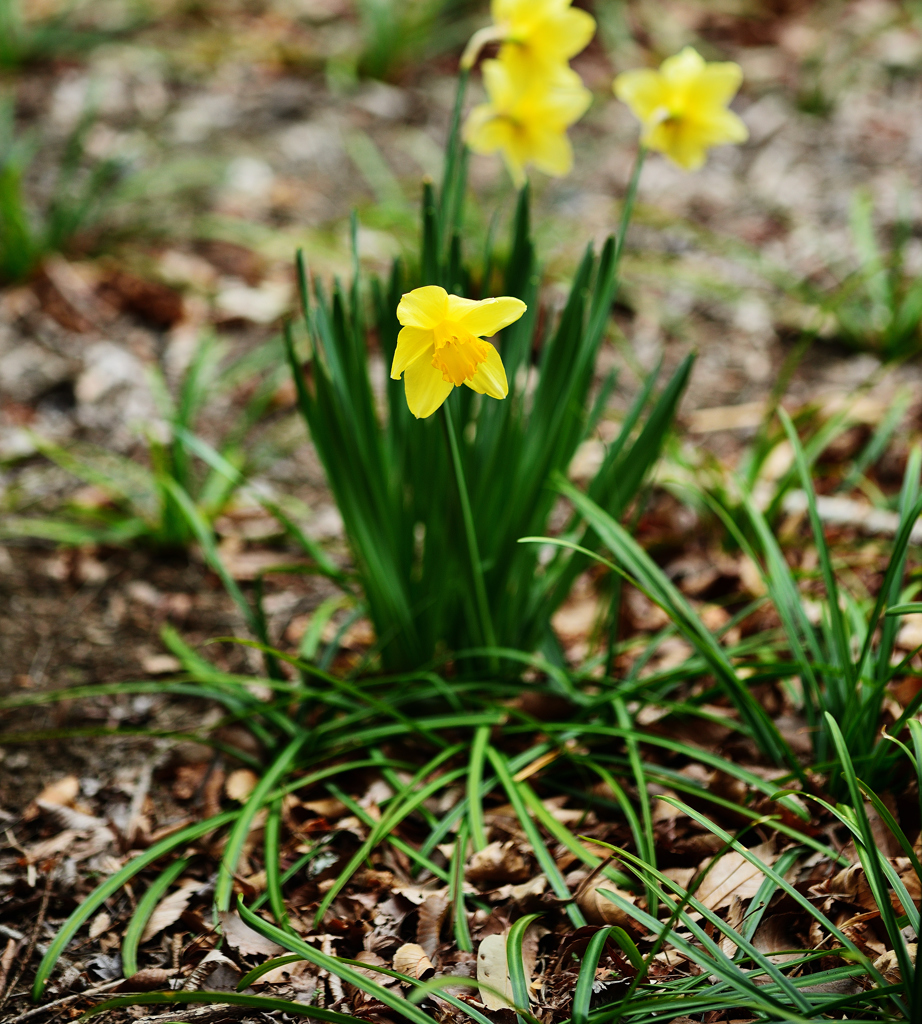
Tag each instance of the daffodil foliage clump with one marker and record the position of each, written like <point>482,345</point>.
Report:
<point>392,474</point>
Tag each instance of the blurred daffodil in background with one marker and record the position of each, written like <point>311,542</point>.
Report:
<point>441,346</point>
<point>682,107</point>
<point>533,94</point>
<point>539,33</point>
<point>527,121</point>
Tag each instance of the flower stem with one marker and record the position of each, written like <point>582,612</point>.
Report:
<point>480,590</point>
<point>628,209</point>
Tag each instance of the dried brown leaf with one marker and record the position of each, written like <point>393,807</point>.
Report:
<point>732,875</point>
<point>846,886</point>
<point>169,909</point>
<point>598,909</point>
<point>100,923</point>
<point>493,971</point>
<point>497,864</point>
<point>240,784</point>
<point>63,791</point>
<point>889,966</point>
<point>216,973</point>
<point>244,939</point>
<point>429,924</point>
<point>148,979</point>
<point>412,961</point>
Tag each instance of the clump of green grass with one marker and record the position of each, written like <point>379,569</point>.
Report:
<point>879,305</point>
<point>797,986</point>
<point>27,40</point>
<point>838,665</point>
<point>78,197</point>
<point>396,480</point>
<point>186,485</point>
<point>424,738</point>
<point>394,36</point>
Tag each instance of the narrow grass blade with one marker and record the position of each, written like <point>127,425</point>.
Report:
<point>238,836</point>
<point>262,1004</point>
<point>474,796</point>
<point>543,855</point>
<point>582,997</point>
<point>142,914</point>
<point>515,962</point>
<point>456,891</point>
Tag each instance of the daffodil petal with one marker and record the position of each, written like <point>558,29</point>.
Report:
<point>425,388</point>
<point>458,306</point>
<point>484,130</point>
<point>716,85</point>
<point>553,154</point>
<point>423,307</point>
<point>683,147</point>
<point>722,126</point>
<point>490,378</point>
<point>505,80</point>
<point>412,344</point>
<point>561,35</point>
<point>642,90</point>
<point>486,317</point>
<point>682,68</point>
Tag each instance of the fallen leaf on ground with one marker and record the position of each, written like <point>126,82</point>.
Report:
<point>240,784</point>
<point>496,864</point>
<point>732,875</point>
<point>493,971</point>
<point>169,909</point>
<point>244,939</point>
<point>412,961</point>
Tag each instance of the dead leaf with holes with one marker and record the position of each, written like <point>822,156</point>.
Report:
<point>493,980</point>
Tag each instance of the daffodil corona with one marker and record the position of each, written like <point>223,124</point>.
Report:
<point>442,346</point>
<point>683,107</point>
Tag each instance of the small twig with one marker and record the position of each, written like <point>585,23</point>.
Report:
<point>33,941</point>
<point>65,1000</point>
<point>195,1015</point>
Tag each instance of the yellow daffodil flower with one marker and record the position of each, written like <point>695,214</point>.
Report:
<point>527,120</point>
<point>441,346</point>
<point>541,33</point>
<point>683,106</point>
